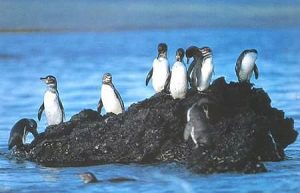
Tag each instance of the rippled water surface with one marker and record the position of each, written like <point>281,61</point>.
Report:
<point>78,61</point>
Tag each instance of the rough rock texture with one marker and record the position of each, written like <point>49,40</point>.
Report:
<point>243,123</point>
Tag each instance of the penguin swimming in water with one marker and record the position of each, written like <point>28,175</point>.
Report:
<point>194,70</point>
<point>178,79</point>
<point>197,125</point>
<point>245,65</point>
<point>52,104</point>
<point>207,69</point>
<point>19,132</point>
<point>89,177</point>
<point>110,97</point>
<point>160,69</point>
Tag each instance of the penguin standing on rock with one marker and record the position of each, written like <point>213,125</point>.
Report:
<point>194,70</point>
<point>19,132</point>
<point>52,104</point>
<point>178,80</point>
<point>160,69</point>
<point>110,97</point>
<point>245,65</point>
<point>207,69</point>
<point>197,125</point>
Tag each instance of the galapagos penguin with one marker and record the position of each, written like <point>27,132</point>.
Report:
<point>52,104</point>
<point>197,125</point>
<point>110,97</point>
<point>194,70</point>
<point>245,65</point>
<point>207,69</point>
<point>178,80</point>
<point>19,132</point>
<point>160,69</point>
<point>89,177</point>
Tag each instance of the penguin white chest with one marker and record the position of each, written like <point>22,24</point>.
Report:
<point>247,66</point>
<point>206,74</point>
<point>110,100</point>
<point>160,74</point>
<point>52,109</point>
<point>178,82</point>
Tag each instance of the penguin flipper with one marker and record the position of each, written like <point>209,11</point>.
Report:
<point>190,69</point>
<point>239,64</point>
<point>41,109</point>
<point>187,131</point>
<point>100,105</point>
<point>61,107</point>
<point>237,69</point>
<point>149,76</point>
<point>119,97</point>
<point>255,71</point>
<point>189,80</point>
<point>167,83</point>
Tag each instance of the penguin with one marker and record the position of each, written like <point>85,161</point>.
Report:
<point>194,70</point>
<point>89,177</point>
<point>52,104</point>
<point>207,69</point>
<point>19,132</point>
<point>197,125</point>
<point>178,80</point>
<point>245,65</point>
<point>160,69</point>
<point>110,97</point>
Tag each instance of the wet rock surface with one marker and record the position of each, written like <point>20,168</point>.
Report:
<point>245,131</point>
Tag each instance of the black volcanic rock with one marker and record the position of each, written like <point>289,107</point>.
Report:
<point>245,131</point>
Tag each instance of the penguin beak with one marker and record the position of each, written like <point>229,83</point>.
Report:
<point>43,79</point>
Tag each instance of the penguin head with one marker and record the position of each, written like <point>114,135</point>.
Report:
<point>32,127</point>
<point>107,78</point>
<point>50,81</point>
<point>204,105</point>
<point>192,51</point>
<point>252,51</point>
<point>88,177</point>
<point>162,49</point>
<point>206,51</point>
<point>179,54</point>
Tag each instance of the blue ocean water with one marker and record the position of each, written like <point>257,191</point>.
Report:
<point>78,60</point>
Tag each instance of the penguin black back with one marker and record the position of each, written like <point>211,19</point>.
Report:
<point>19,132</point>
<point>195,66</point>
